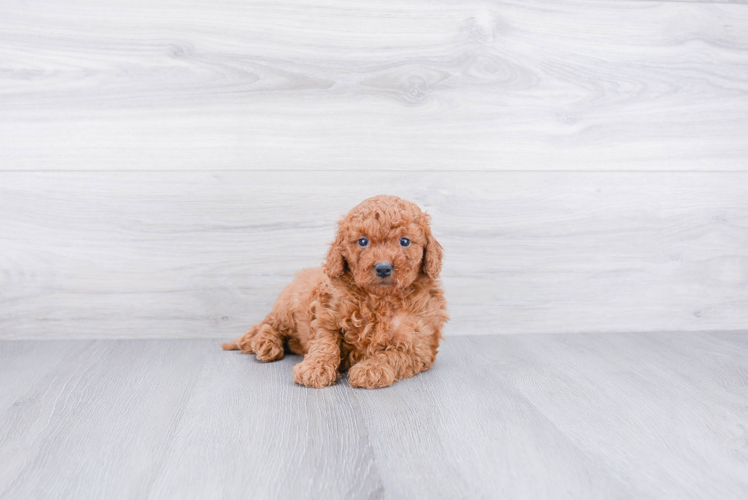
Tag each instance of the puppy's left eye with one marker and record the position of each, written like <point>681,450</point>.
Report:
<point>404,242</point>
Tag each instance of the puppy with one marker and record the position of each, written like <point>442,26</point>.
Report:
<point>375,308</point>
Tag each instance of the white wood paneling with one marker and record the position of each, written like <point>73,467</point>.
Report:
<point>252,111</point>
<point>204,254</point>
<point>341,84</point>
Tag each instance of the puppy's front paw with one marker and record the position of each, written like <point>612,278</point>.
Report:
<point>371,374</point>
<point>314,373</point>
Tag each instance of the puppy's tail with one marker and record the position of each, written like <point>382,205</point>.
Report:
<point>243,343</point>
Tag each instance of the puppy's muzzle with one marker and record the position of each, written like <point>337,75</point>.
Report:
<point>383,269</point>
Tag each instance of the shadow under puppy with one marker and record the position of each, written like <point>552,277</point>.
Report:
<point>375,308</point>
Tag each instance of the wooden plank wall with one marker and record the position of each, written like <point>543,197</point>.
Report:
<point>166,166</point>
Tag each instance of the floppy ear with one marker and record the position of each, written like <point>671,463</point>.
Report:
<point>432,255</point>
<point>334,266</point>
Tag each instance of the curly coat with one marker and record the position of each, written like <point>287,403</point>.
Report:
<point>346,316</point>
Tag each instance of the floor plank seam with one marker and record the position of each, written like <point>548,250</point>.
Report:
<point>156,475</point>
<point>356,406</point>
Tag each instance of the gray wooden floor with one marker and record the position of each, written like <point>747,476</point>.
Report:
<point>513,416</point>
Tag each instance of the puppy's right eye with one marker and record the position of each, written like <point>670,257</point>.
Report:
<point>362,242</point>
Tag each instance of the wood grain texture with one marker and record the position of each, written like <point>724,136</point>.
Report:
<point>465,425</point>
<point>98,425</point>
<point>632,394</point>
<point>572,416</point>
<point>185,255</point>
<point>531,85</point>
<point>273,439</point>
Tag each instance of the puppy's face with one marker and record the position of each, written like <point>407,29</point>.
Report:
<point>382,258</point>
<point>384,243</point>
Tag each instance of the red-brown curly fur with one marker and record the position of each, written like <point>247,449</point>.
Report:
<point>344,316</point>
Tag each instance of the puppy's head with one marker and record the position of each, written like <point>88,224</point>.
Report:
<point>384,244</point>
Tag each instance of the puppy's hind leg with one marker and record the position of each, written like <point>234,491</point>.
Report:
<point>268,344</point>
<point>263,340</point>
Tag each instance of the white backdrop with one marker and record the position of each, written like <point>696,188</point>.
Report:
<point>165,167</point>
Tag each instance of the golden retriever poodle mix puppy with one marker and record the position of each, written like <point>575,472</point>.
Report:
<point>376,307</point>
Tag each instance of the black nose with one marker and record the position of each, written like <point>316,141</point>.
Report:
<point>383,269</point>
